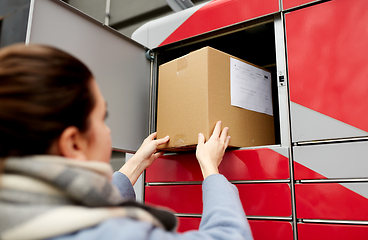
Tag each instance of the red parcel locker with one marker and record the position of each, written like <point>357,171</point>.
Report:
<point>324,85</point>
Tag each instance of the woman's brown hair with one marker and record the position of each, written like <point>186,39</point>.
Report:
<point>43,90</point>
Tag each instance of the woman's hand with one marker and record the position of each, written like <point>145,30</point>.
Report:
<point>210,154</point>
<point>143,158</point>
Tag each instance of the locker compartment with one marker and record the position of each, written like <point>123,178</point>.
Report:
<point>207,85</point>
<point>252,164</point>
<point>188,223</point>
<point>341,160</point>
<point>334,201</point>
<point>179,198</point>
<point>307,231</point>
<point>253,42</point>
<point>326,48</point>
<point>266,199</point>
<point>276,230</point>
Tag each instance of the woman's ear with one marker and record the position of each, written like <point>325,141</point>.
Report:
<point>73,144</point>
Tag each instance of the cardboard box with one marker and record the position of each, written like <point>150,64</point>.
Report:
<point>194,92</point>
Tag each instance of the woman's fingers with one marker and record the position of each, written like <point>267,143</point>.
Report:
<point>151,137</point>
<point>200,139</point>
<point>210,153</point>
<point>160,141</point>
<point>227,141</point>
<point>217,130</point>
<point>158,154</point>
<point>224,133</point>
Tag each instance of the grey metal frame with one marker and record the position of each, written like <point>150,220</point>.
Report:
<point>285,126</point>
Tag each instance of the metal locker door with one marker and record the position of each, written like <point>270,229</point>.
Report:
<point>322,231</point>
<point>347,160</point>
<point>118,63</point>
<point>327,63</point>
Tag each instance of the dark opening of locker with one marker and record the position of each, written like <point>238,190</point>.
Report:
<point>253,41</point>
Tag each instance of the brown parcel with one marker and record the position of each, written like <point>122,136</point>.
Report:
<point>194,93</point>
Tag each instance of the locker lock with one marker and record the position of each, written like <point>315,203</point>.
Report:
<point>150,55</point>
<point>282,80</point>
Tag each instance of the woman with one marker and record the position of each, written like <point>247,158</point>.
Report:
<point>55,147</point>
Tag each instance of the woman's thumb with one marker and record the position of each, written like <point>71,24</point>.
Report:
<point>162,140</point>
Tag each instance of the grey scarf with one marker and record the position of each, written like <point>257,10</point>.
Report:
<point>47,196</point>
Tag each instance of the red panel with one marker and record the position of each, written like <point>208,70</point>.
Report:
<point>329,201</point>
<point>266,199</point>
<point>294,3</point>
<point>221,13</point>
<point>327,59</point>
<point>179,198</point>
<point>308,231</point>
<point>261,229</point>
<point>275,230</point>
<point>258,164</point>
<point>188,223</point>
<point>173,168</point>
<point>302,172</point>
<point>257,199</point>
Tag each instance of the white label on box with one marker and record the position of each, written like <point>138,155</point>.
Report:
<point>250,87</point>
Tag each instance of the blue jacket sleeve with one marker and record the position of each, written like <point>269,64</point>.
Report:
<point>223,216</point>
<point>124,185</point>
<point>223,219</point>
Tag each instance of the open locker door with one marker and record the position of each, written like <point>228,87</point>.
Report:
<point>118,64</point>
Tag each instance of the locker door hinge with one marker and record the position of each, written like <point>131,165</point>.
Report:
<point>150,55</point>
